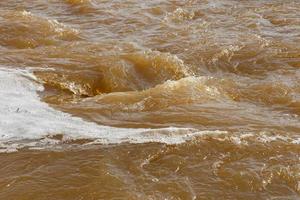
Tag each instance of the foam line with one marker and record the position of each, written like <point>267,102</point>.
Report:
<point>24,116</point>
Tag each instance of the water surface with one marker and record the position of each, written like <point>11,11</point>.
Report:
<point>161,99</point>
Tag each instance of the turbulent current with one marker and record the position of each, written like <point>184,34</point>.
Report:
<point>154,100</point>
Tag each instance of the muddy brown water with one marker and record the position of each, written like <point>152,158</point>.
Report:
<point>225,66</point>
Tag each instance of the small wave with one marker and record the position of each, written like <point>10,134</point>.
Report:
<point>263,137</point>
<point>118,73</point>
<point>82,6</point>
<point>179,15</point>
<point>22,29</point>
<point>156,67</point>
<point>187,90</point>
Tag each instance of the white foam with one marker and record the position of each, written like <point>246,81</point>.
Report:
<point>24,117</point>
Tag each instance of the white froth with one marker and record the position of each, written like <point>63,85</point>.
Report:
<point>24,117</point>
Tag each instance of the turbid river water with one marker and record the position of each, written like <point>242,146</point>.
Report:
<point>149,100</point>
